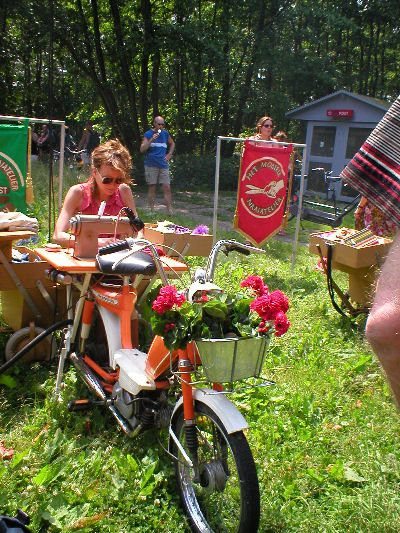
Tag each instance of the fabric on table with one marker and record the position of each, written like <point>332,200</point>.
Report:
<point>16,221</point>
<point>369,216</point>
<point>374,171</point>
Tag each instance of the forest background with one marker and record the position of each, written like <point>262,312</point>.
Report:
<point>209,67</point>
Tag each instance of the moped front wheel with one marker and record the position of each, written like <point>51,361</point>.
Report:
<point>225,497</point>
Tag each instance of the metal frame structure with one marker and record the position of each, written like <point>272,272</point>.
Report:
<point>62,144</point>
<point>216,189</point>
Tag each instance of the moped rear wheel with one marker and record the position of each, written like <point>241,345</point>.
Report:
<point>226,498</point>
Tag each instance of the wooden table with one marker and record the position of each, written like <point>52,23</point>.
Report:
<point>64,260</point>
<point>8,237</point>
<point>361,264</point>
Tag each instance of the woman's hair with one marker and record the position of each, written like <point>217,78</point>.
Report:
<point>261,122</point>
<point>280,136</point>
<point>113,153</point>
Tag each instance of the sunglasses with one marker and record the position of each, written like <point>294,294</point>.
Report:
<point>106,181</point>
<point>268,126</point>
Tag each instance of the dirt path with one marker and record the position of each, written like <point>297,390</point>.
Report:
<point>200,207</point>
<point>197,205</point>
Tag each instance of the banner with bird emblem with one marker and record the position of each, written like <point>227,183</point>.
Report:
<point>262,188</point>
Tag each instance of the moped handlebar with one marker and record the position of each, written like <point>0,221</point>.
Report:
<point>117,246</point>
<point>227,247</point>
<point>136,223</point>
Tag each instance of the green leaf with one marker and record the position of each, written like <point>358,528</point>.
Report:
<point>18,458</point>
<point>149,472</point>
<point>314,475</point>
<point>44,476</point>
<point>216,309</point>
<point>132,462</point>
<point>362,363</point>
<point>8,381</point>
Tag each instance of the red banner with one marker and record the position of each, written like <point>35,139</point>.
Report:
<point>261,191</point>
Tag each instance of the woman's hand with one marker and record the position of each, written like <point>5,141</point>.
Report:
<point>104,241</point>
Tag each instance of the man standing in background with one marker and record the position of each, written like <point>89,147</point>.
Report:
<point>155,143</point>
<point>89,141</point>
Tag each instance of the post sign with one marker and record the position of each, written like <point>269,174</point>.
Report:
<point>340,113</point>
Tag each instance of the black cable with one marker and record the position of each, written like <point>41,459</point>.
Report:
<point>58,325</point>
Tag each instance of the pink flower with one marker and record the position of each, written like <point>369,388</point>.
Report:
<point>279,302</point>
<point>256,283</point>
<point>202,229</point>
<point>269,305</point>
<point>319,265</point>
<point>167,298</point>
<point>262,306</point>
<point>281,324</point>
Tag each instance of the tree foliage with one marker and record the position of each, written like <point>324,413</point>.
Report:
<point>211,68</point>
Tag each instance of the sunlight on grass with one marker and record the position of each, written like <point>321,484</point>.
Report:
<point>324,437</point>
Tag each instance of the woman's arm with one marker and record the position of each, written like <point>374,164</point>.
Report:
<point>127,198</point>
<point>71,206</point>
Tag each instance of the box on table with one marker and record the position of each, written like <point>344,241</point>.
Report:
<point>348,255</point>
<point>183,243</point>
<point>361,264</point>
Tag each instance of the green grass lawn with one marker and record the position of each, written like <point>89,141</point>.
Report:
<point>324,437</point>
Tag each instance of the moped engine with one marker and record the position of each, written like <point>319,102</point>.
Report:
<point>125,402</point>
<point>142,412</point>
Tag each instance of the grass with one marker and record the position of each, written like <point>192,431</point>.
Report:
<point>324,438</point>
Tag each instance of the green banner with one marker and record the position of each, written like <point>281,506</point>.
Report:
<point>13,162</point>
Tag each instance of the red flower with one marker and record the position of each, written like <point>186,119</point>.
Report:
<point>281,324</point>
<point>269,305</point>
<point>319,265</point>
<point>279,301</point>
<point>262,306</point>
<point>256,283</point>
<point>167,298</point>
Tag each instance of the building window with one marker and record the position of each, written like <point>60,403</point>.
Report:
<point>323,141</point>
<point>355,139</point>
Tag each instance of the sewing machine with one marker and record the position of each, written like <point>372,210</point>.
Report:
<point>87,229</point>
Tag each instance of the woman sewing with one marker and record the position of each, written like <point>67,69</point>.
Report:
<point>108,182</point>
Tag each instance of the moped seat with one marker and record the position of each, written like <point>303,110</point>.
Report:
<point>137,263</point>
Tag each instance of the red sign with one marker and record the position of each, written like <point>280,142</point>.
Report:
<point>261,191</point>
<point>342,113</point>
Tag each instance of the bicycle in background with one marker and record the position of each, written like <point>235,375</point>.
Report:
<point>321,213</point>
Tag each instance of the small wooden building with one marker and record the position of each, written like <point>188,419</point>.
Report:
<point>337,125</point>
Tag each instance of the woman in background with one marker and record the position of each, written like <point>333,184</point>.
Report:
<point>281,137</point>
<point>264,128</point>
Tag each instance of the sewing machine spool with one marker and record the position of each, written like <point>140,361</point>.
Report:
<point>88,228</point>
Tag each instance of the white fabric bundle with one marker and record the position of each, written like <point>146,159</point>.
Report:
<point>16,221</point>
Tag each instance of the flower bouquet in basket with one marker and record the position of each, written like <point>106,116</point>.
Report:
<point>218,322</point>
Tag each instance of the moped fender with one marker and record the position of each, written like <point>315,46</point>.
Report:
<point>226,411</point>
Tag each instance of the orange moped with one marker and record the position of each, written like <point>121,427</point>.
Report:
<point>157,389</point>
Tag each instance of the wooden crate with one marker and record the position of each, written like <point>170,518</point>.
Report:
<point>183,243</point>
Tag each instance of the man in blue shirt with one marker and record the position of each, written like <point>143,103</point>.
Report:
<point>155,143</point>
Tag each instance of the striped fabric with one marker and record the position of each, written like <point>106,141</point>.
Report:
<point>374,171</point>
